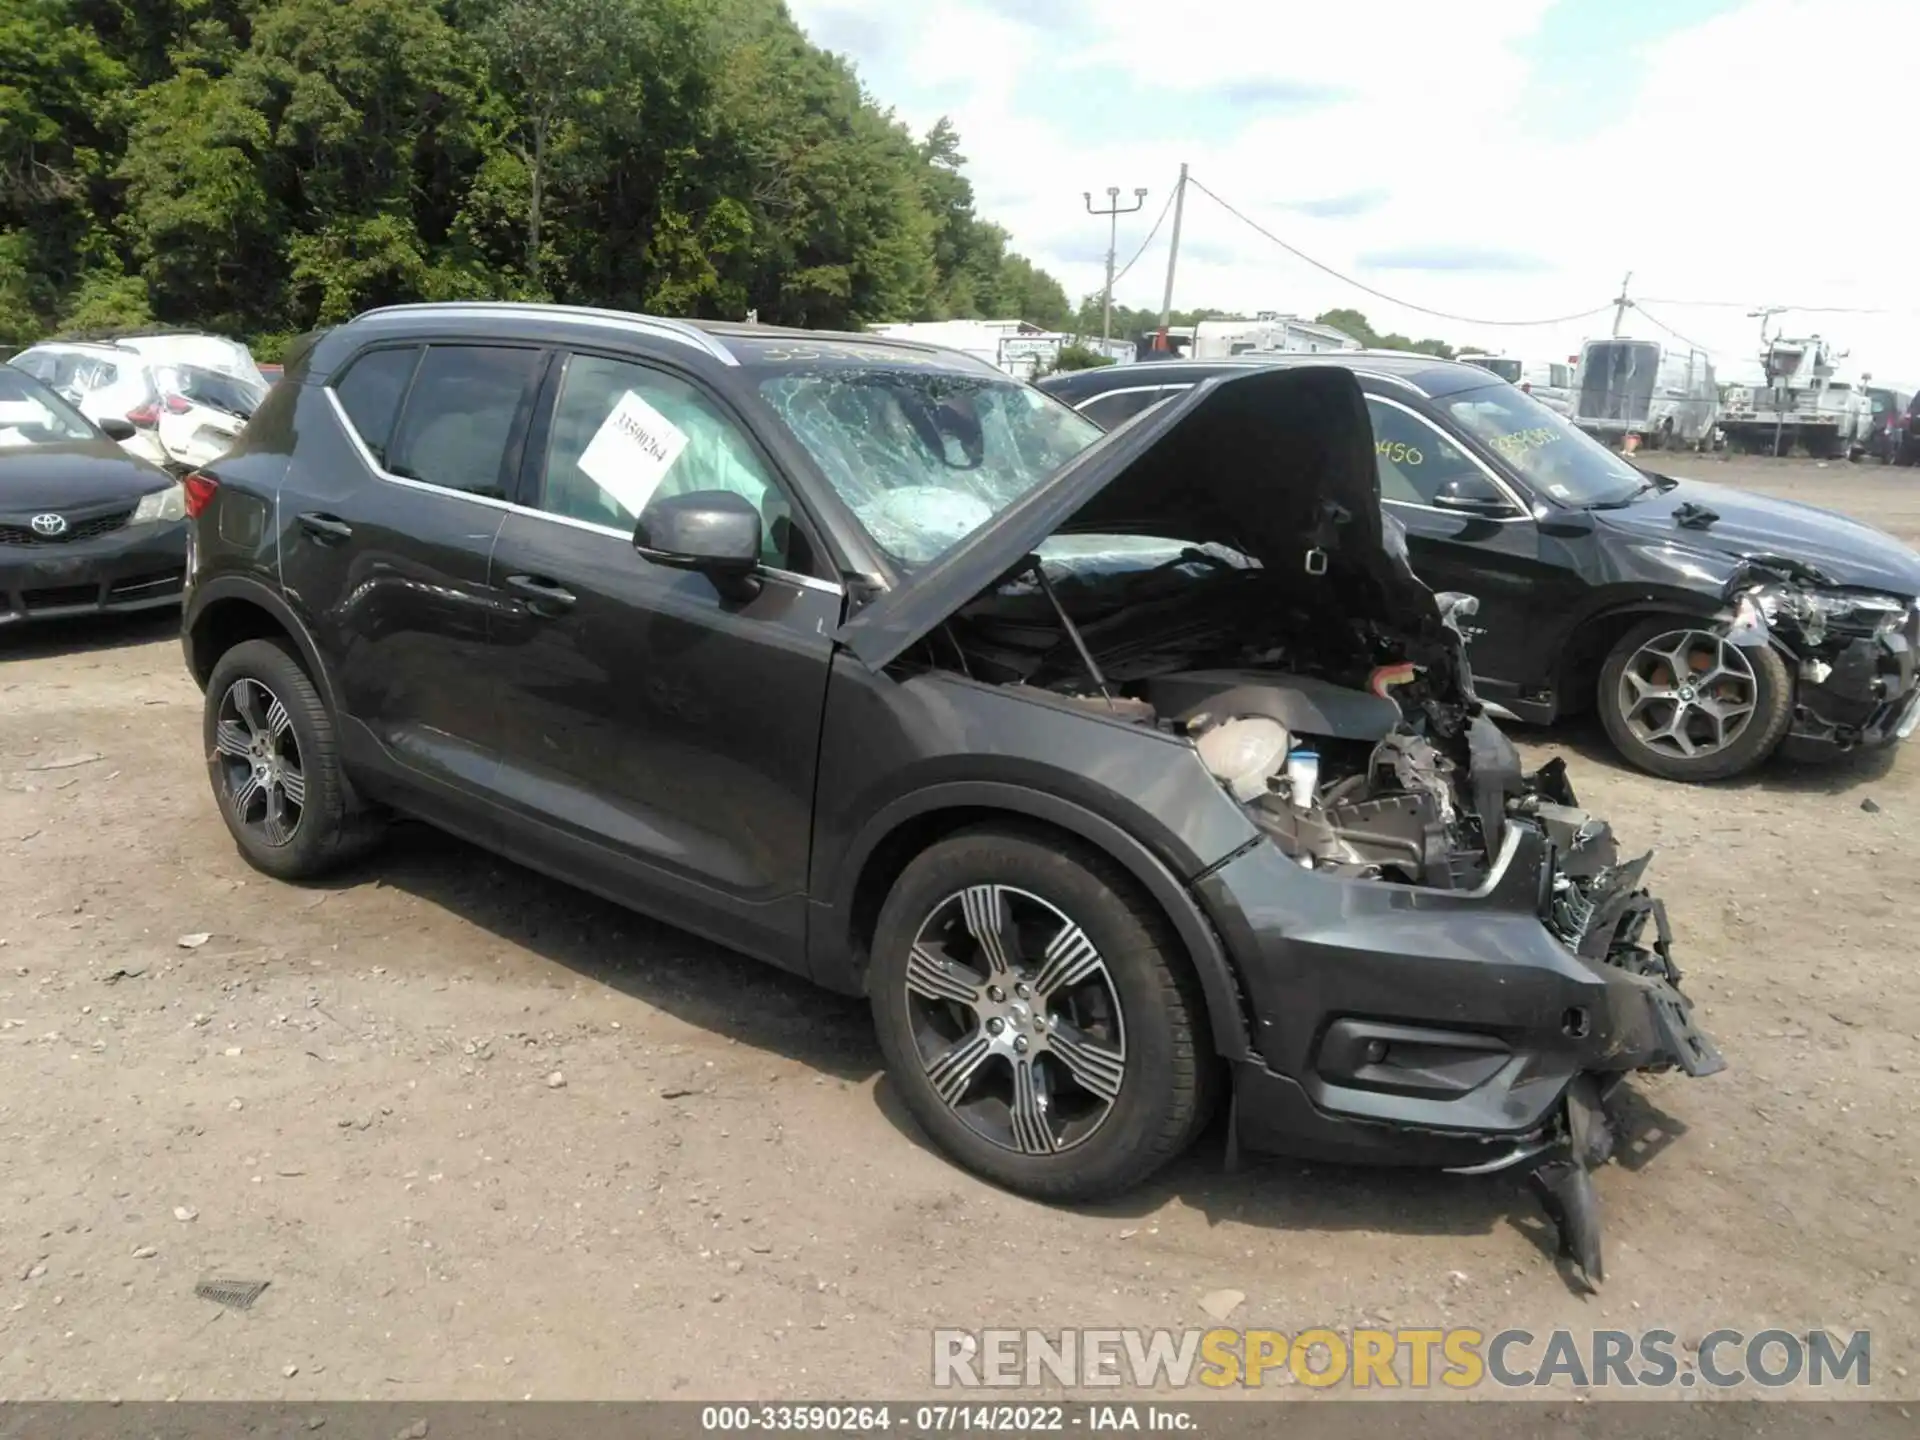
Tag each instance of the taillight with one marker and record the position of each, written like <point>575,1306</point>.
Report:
<point>178,404</point>
<point>145,416</point>
<point>199,487</point>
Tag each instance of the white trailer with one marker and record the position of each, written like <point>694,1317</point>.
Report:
<point>1664,394</point>
<point>1802,403</point>
<point>1268,333</point>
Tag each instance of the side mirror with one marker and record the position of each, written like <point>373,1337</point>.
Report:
<point>114,428</point>
<point>716,532</point>
<point>1474,495</point>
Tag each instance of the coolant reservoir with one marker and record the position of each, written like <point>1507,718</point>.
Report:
<point>1245,754</point>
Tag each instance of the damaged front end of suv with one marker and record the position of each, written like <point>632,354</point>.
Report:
<point>1854,652</point>
<point>1441,960</point>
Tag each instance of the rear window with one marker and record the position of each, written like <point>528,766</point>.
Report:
<point>214,389</point>
<point>460,413</point>
<point>370,392</point>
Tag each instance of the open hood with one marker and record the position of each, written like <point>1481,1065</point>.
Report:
<point>1278,464</point>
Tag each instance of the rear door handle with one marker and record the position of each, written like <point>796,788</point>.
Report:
<point>327,529</point>
<point>545,597</point>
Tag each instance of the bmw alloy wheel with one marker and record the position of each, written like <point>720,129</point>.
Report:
<point>1015,1019</point>
<point>259,761</point>
<point>1687,693</point>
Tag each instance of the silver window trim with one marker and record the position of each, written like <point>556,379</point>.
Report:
<point>381,472</point>
<point>1479,464</point>
<point>1380,375</point>
<point>654,325</point>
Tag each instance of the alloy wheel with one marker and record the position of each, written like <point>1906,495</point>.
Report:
<point>1687,693</point>
<point>1015,1019</point>
<point>259,761</point>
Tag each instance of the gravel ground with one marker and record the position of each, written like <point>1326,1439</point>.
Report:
<point>488,1137</point>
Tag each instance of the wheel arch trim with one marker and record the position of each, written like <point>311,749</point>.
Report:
<point>1226,1009</point>
<point>210,593</point>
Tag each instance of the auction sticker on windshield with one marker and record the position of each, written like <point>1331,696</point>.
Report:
<point>632,451</point>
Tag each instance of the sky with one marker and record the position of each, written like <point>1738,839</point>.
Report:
<point>1496,160</point>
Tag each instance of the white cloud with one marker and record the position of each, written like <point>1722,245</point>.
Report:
<point>1760,156</point>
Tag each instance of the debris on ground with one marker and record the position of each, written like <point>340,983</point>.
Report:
<point>234,1294</point>
<point>1222,1303</point>
<point>193,941</point>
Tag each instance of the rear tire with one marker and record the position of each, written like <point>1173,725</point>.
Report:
<point>1118,1076</point>
<point>275,768</point>
<point>1669,687</point>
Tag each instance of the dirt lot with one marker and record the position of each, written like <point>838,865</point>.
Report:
<point>488,1137</point>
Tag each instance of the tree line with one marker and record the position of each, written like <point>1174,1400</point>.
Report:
<point>260,167</point>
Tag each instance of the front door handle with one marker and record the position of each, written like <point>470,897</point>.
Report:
<point>544,596</point>
<point>327,529</point>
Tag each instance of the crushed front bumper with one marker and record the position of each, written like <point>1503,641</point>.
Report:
<point>1402,1025</point>
<point>1867,696</point>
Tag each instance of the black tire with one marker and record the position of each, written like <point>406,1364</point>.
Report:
<point>328,827</point>
<point>1170,1079</point>
<point>1767,725</point>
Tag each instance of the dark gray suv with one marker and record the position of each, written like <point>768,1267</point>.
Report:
<point>1111,777</point>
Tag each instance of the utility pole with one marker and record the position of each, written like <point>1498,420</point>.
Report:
<point>1173,255</point>
<point>1775,390</point>
<point>1621,303</point>
<point>1113,212</point>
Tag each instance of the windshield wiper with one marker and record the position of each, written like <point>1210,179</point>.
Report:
<point>1646,487</point>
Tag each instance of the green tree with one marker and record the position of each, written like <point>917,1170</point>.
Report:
<point>262,166</point>
<point>1079,357</point>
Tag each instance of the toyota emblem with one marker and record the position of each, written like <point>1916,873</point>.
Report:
<point>49,524</point>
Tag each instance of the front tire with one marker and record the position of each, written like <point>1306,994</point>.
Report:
<point>275,768</point>
<point>1038,1017</point>
<point>1686,704</point>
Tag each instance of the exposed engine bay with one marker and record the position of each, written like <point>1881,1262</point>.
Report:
<point>1352,758</point>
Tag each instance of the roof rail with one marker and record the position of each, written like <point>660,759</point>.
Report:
<point>658,325</point>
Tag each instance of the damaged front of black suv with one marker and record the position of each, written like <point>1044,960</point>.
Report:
<point>1441,961</point>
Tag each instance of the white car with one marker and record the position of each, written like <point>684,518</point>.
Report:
<point>202,412</point>
<point>1548,381</point>
<point>126,378</point>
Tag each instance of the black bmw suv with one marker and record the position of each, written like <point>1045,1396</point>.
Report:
<point>1710,627</point>
<point>1108,774</point>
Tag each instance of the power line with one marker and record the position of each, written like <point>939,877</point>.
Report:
<point>1640,306</point>
<point>1802,309</point>
<point>1381,294</point>
<point>1121,273</point>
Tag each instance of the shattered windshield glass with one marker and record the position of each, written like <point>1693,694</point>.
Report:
<point>1553,456</point>
<point>924,458</point>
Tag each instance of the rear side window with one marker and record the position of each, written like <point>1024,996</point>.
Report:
<point>370,392</point>
<point>1107,411</point>
<point>460,415</point>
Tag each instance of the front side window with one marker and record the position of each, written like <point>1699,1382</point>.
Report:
<point>31,414</point>
<point>624,434</point>
<point>924,458</point>
<point>1108,411</point>
<point>1416,461</point>
<point>371,391</point>
<point>459,416</point>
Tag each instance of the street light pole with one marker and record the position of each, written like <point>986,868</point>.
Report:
<point>1113,212</point>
